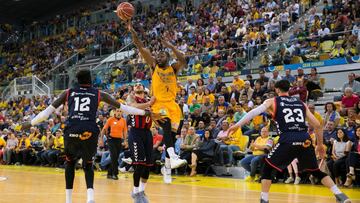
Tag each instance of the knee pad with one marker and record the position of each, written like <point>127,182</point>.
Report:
<point>318,174</point>
<point>266,172</point>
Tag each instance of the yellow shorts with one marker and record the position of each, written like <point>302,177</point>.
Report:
<point>170,110</point>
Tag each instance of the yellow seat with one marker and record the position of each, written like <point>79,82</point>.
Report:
<point>296,59</point>
<point>327,46</point>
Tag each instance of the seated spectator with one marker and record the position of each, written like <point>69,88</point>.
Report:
<point>313,83</point>
<point>23,150</point>
<point>258,90</point>
<point>52,156</point>
<point>225,93</point>
<point>288,76</point>
<point>337,51</point>
<point>348,101</point>
<point>246,103</point>
<point>235,93</point>
<point>11,145</point>
<point>340,149</point>
<point>192,95</point>
<point>247,90</point>
<point>355,85</point>
<point>331,114</point>
<point>47,142</point>
<point>290,179</point>
<point>299,91</point>
<point>200,130</point>
<point>209,95</point>
<point>238,82</point>
<point>353,160</point>
<point>221,105</point>
<point>260,147</point>
<point>330,134</point>
<point>157,148</point>
<point>214,131</point>
<point>205,149</point>
<point>190,142</point>
<point>2,148</point>
<point>220,138</point>
<point>179,141</point>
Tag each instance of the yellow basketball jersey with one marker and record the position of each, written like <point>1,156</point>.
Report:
<point>163,85</point>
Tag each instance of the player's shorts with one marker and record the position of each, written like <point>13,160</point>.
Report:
<point>140,145</point>
<point>80,145</point>
<point>284,153</point>
<point>169,109</point>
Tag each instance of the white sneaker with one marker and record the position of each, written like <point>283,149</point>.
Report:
<point>297,181</point>
<point>127,160</point>
<point>166,175</point>
<point>175,162</point>
<point>289,180</point>
<point>122,170</point>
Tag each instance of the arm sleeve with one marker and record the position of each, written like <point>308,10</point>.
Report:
<point>131,110</point>
<point>257,111</point>
<point>43,115</point>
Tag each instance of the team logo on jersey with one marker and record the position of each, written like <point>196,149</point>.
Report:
<point>307,143</point>
<point>86,135</point>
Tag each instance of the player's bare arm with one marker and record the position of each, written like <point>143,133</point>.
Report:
<point>145,53</point>
<point>181,61</point>
<point>266,106</point>
<point>318,132</point>
<point>142,106</point>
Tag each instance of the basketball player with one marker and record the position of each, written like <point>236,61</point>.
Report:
<point>81,132</point>
<point>164,88</point>
<point>140,143</point>
<point>294,142</point>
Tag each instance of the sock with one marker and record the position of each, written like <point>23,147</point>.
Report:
<point>90,194</point>
<point>171,152</point>
<point>335,190</point>
<point>142,186</point>
<point>136,190</point>
<point>265,196</point>
<point>167,163</point>
<point>68,195</point>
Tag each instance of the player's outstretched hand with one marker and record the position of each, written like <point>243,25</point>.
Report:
<point>166,44</point>
<point>152,100</point>
<point>26,125</point>
<point>157,117</point>
<point>320,151</point>
<point>232,129</point>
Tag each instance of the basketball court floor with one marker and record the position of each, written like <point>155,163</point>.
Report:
<point>44,185</point>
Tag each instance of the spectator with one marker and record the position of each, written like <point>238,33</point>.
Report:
<point>276,77</point>
<point>337,51</point>
<point>211,85</point>
<point>10,149</point>
<point>225,93</point>
<point>189,84</point>
<point>262,79</point>
<point>290,168</point>
<point>340,148</point>
<point>355,85</point>
<point>205,149</point>
<point>2,149</point>
<point>222,104</point>
<point>23,150</point>
<point>214,131</point>
<point>331,114</point>
<point>353,160</point>
<point>247,90</point>
<point>348,101</point>
<point>52,156</point>
<point>246,103</point>
<point>48,142</point>
<point>301,75</point>
<point>299,91</point>
<point>190,142</point>
<point>313,83</point>
<point>259,149</point>
<point>288,76</point>
<point>157,148</point>
<point>192,95</point>
<point>219,84</point>
<point>238,82</point>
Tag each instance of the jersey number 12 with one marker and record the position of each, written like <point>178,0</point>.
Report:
<point>83,106</point>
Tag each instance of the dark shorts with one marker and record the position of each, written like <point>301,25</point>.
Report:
<point>284,153</point>
<point>81,145</point>
<point>141,145</point>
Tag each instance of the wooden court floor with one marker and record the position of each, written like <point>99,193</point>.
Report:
<point>46,185</point>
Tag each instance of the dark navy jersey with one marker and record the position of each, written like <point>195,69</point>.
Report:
<point>290,115</point>
<point>140,122</point>
<point>82,106</point>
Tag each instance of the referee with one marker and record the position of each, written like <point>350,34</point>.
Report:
<point>118,133</point>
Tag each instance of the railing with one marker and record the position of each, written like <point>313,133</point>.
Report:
<point>25,86</point>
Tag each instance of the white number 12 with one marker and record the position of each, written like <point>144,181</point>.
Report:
<point>83,106</point>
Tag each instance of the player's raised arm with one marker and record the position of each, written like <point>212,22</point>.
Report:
<point>50,109</point>
<point>145,53</point>
<point>107,98</point>
<point>181,61</point>
<point>267,105</point>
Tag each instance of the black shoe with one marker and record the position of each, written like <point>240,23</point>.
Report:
<point>109,176</point>
<point>114,177</point>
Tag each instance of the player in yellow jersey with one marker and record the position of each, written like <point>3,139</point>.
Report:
<point>164,88</point>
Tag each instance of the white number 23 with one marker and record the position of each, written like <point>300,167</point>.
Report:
<point>290,117</point>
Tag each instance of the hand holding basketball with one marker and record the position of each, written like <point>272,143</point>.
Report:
<point>125,11</point>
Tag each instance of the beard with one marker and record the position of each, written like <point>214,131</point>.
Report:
<point>161,64</point>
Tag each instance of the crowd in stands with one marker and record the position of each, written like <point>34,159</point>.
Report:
<point>208,110</point>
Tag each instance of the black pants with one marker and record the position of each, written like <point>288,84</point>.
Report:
<point>335,166</point>
<point>353,160</point>
<point>169,136</point>
<point>115,149</point>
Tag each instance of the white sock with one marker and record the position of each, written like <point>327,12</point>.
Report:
<point>136,190</point>
<point>142,186</point>
<point>335,190</point>
<point>265,196</point>
<point>171,152</point>
<point>90,194</point>
<point>167,163</point>
<point>68,193</point>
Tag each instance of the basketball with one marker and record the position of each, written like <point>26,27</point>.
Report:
<point>125,11</point>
